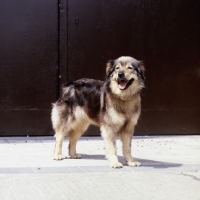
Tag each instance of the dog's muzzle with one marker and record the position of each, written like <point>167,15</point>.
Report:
<point>123,82</point>
<point>121,75</point>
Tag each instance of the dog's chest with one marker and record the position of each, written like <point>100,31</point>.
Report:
<point>120,116</point>
<point>114,117</point>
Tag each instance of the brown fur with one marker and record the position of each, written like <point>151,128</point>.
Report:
<point>113,104</point>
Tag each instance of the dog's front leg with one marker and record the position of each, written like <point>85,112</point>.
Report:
<point>110,145</point>
<point>126,138</point>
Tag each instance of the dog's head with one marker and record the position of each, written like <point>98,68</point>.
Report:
<point>125,76</point>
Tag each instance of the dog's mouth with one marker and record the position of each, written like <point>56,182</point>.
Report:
<point>124,84</point>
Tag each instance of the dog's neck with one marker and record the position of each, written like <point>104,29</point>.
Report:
<point>125,97</point>
<point>129,105</point>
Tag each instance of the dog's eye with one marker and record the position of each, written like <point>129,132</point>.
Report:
<point>116,67</point>
<point>130,67</point>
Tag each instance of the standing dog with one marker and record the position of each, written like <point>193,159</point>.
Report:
<point>113,104</point>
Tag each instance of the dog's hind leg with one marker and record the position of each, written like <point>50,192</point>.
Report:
<point>58,126</point>
<point>58,147</point>
<point>73,138</point>
<point>126,138</point>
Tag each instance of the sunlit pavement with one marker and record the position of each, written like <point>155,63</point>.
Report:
<point>170,170</point>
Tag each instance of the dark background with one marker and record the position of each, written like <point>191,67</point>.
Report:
<point>46,43</point>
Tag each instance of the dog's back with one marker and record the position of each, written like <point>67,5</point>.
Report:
<point>82,95</point>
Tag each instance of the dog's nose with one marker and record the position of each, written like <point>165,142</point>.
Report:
<point>121,74</point>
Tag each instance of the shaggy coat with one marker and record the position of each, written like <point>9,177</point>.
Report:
<point>114,105</point>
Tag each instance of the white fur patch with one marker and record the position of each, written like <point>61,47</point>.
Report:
<point>115,117</point>
<point>55,118</point>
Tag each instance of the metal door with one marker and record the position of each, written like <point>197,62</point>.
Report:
<point>28,66</point>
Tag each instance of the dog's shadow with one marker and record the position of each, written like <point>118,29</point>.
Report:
<point>144,162</point>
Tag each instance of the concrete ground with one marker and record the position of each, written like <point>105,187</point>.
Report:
<point>170,170</point>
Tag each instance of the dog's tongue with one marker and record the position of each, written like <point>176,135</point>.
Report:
<point>122,85</point>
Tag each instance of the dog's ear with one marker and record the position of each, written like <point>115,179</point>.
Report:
<point>141,70</point>
<point>142,66</point>
<point>109,67</point>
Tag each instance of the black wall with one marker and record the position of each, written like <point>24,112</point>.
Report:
<point>162,33</point>
<point>28,62</point>
<point>172,56</point>
<point>43,45</point>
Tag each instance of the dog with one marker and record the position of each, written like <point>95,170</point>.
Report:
<point>114,105</point>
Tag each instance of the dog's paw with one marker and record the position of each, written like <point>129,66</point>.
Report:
<point>134,163</point>
<point>116,165</point>
<point>76,156</point>
<point>59,157</point>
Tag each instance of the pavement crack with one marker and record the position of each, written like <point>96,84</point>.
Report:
<point>192,176</point>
